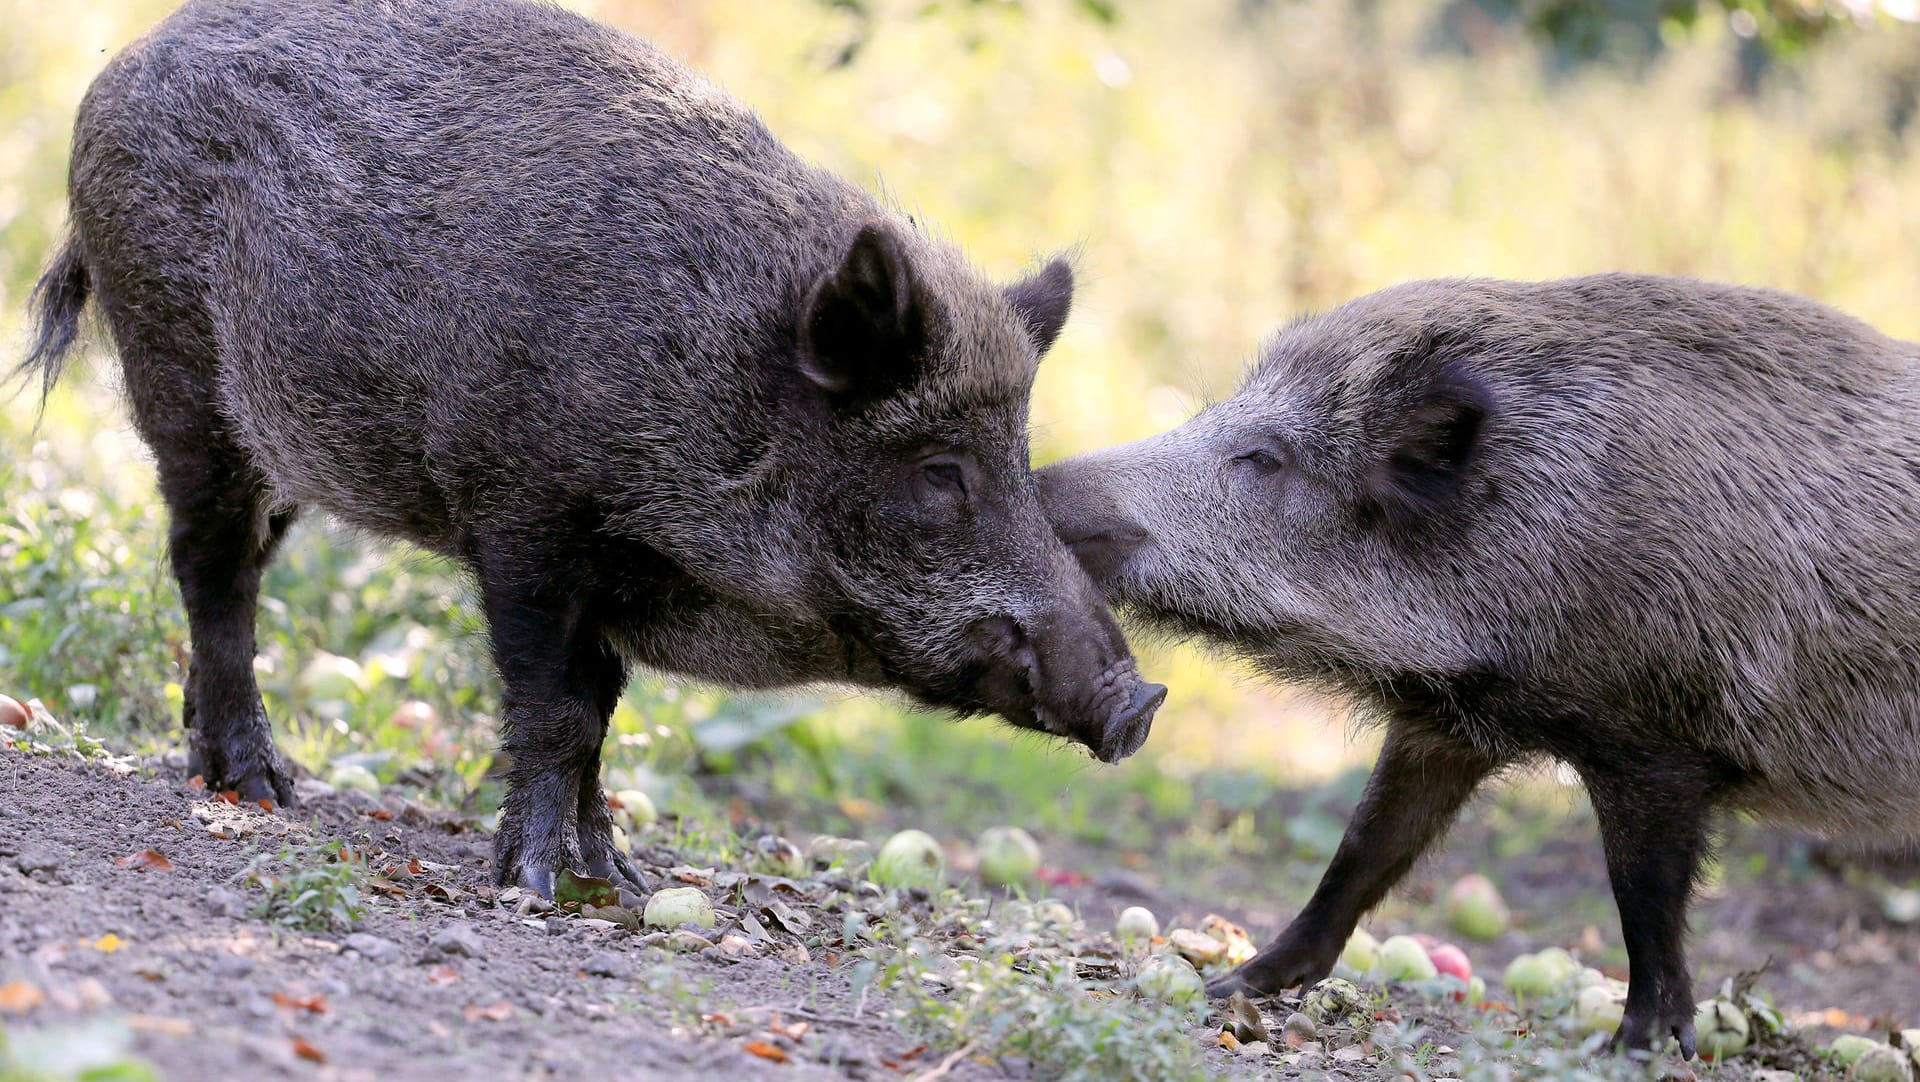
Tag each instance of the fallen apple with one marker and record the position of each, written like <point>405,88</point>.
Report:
<point>353,776</point>
<point>1136,922</point>
<point>774,855</point>
<point>1475,908</point>
<point>1532,976</point>
<point>13,714</point>
<point>1882,1063</point>
<point>1362,952</point>
<point>1597,1010</point>
<point>1449,959</point>
<point>1402,958</point>
<point>1169,979</point>
<point>1008,855</point>
<point>1849,1047</point>
<point>675,906</point>
<point>910,858</point>
<point>1336,1002</point>
<point>1198,948</point>
<point>848,854</point>
<point>635,810</point>
<point>1476,991</point>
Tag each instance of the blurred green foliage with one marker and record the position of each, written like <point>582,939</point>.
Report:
<point>1215,166</point>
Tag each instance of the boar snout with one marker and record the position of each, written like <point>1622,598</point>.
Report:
<point>1070,674</point>
<point>1088,519</point>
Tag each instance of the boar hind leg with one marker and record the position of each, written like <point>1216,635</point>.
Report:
<point>561,679</point>
<point>1653,823</point>
<point>221,539</point>
<point>1418,785</point>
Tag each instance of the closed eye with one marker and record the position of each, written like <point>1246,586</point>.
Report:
<point>1265,459</point>
<point>947,475</point>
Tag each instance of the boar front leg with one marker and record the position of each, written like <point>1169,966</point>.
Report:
<point>1418,785</point>
<point>561,679</point>
<point>1653,824</point>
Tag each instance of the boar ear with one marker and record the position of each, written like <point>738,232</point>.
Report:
<point>865,325</point>
<point>1438,437</point>
<point>1042,301</point>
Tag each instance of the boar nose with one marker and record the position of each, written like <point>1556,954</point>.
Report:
<point>1128,728</point>
<point>1087,520</point>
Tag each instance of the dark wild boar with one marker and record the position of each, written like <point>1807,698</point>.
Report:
<point>515,287</point>
<point>1659,530</point>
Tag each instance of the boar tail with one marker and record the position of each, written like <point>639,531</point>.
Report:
<point>57,301</point>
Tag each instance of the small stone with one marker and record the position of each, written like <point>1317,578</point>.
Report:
<point>556,925</point>
<point>632,901</point>
<point>229,967</point>
<point>455,941</point>
<point>307,790</point>
<point>606,964</point>
<point>222,902</point>
<point>371,947</point>
<point>37,858</point>
<point>1254,1048</point>
<point>1299,1029</point>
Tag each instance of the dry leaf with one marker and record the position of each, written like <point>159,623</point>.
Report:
<point>314,1004</point>
<point>19,997</point>
<point>146,860</point>
<point>499,1012</point>
<point>792,1031</point>
<point>766,1051</point>
<point>153,1023</point>
<point>108,943</point>
<point>307,1051</point>
<point>228,796</point>
<point>197,783</point>
<point>265,804</point>
<point>381,814</point>
<point>442,974</point>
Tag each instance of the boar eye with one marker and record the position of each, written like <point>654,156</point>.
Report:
<point>1266,459</point>
<point>946,474</point>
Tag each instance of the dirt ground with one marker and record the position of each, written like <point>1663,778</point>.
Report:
<point>212,993</point>
<point>440,979</point>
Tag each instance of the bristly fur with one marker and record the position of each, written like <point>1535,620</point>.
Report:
<point>1661,530</point>
<point>499,280</point>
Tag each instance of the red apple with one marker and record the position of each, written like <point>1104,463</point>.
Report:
<point>1448,958</point>
<point>13,715</point>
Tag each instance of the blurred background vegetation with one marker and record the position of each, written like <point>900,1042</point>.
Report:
<point>1218,166</point>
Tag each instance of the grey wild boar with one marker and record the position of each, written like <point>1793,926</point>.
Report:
<point>517,288</point>
<point>1662,531</point>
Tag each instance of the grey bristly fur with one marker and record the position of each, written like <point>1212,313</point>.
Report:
<point>499,280</point>
<point>1662,530</point>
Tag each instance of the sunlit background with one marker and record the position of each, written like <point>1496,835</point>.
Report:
<point>1215,166</point>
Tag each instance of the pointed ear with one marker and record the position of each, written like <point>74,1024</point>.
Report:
<point>1042,301</point>
<point>864,329</point>
<point>1439,437</point>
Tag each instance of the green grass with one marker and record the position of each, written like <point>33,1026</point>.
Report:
<point>311,888</point>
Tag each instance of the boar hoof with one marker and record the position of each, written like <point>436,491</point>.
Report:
<point>1638,1028</point>
<point>1272,970</point>
<point>606,861</point>
<point>259,780</point>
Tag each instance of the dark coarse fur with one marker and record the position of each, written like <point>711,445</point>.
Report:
<point>496,279</point>
<point>1660,530</point>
